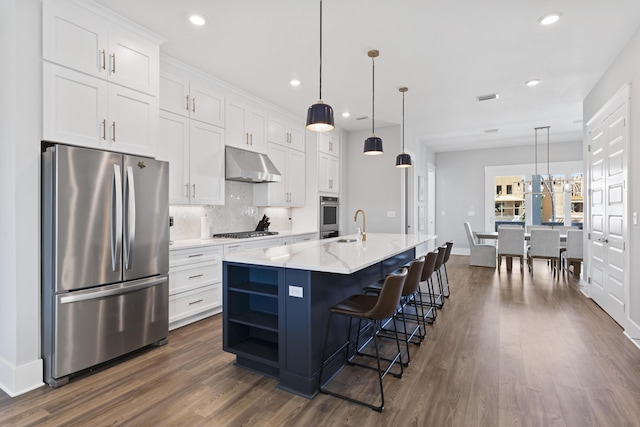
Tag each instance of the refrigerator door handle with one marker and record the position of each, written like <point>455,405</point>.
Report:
<point>130,220</point>
<point>116,218</point>
<point>117,290</point>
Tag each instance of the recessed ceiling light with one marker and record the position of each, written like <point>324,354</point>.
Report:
<point>295,82</point>
<point>346,114</point>
<point>198,20</point>
<point>550,18</point>
<point>533,82</point>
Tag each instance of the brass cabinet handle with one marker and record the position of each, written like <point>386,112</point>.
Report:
<point>113,131</point>
<point>187,195</point>
<point>193,104</point>
<point>113,63</point>
<point>104,130</point>
<point>247,137</point>
<point>196,276</point>
<point>187,99</point>
<point>104,59</point>
<point>195,302</point>
<point>251,139</point>
<point>195,255</point>
<point>194,191</point>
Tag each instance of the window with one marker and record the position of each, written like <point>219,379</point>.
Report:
<point>498,190</point>
<point>509,189</point>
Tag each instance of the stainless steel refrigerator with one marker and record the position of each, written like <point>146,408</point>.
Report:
<point>105,221</point>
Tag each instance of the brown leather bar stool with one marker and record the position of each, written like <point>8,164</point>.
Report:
<point>426,299</point>
<point>439,296</point>
<point>447,254</point>
<point>373,310</point>
<point>409,295</point>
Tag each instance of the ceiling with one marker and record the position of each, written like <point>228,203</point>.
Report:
<point>446,52</point>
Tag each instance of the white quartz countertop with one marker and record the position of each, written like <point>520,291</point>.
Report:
<point>330,255</point>
<point>194,243</point>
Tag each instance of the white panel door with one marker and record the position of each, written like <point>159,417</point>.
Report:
<point>74,107</point>
<point>173,147</point>
<point>133,61</point>
<point>609,138</point>
<point>206,148</point>
<point>133,121</point>
<point>277,191</point>
<point>237,129</point>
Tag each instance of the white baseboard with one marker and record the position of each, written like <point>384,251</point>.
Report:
<point>17,380</point>
<point>460,251</point>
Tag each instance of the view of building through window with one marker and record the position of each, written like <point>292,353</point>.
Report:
<point>553,199</point>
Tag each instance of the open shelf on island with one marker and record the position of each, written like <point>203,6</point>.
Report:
<point>255,346</point>
<point>256,288</point>
<point>257,319</point>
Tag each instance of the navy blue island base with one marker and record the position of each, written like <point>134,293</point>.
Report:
<point>275,318</point>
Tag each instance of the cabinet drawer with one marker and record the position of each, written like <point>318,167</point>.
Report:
<point>193,302</point>
<point>179,257</point>
<point>188,277</point>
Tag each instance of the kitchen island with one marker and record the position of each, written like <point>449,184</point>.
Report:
<point>275,300</point>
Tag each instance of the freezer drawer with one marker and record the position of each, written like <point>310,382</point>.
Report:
<point>96,325</point>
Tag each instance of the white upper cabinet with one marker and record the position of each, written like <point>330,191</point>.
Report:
<point>100,79</point>
<point>290,192</point>
<point>83,110</point>
<point>89,39</point>
<point>195,151</point>
<point>286,132</point>
<point>246,126</point>
<point>329,143</point>
<point>328,173</point>
<point>193,98</point>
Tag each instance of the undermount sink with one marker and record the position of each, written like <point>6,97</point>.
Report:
<point>346,240</point>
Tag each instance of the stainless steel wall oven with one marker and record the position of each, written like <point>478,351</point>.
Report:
<point>329,217</point>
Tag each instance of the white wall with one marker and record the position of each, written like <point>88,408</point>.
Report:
<point>626,69</point>
<point>374,183</point>
<point>20,133</point>
<point>460,185</point>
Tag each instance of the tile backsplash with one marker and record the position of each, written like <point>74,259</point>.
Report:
<point>238,214</point>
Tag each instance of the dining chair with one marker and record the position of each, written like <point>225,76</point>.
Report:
<point>538,227</point>
<point>545,244</point>
<point>482,255</point>
<point>573,253</point>
<point>510,245</point>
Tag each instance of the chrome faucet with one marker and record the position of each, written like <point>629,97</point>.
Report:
<point>364,223</point>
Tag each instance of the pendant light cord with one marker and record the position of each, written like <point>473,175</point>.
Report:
<point>373,96</point>
<point>403,122</point>
<point>320,49</point>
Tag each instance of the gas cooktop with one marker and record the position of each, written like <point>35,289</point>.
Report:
<point>245,234</point>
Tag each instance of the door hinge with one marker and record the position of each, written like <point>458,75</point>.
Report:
<point>589,148</point>
<point>588,236</point>
<point>589,280</point>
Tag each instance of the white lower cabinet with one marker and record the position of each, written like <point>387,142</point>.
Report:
<point>195,284</point>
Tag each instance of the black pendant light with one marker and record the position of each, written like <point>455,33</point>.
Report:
<point>320,115</point>
<point>373,144</point>
<point>403,160</point>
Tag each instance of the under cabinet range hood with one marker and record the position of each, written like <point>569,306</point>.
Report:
<point>248,166</point>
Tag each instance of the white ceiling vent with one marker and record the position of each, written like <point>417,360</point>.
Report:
<point>487,97</point>
<point>362,118</point>
<point>491,130</point>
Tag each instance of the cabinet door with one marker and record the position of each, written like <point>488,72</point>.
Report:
<point>74,107</point>
<point>328,173</point>
<point>174,94</point>
<point>277,130</point>
<point>329,143</point>
<point>173,147</point>
<point>133,61</point>
<point>206,148</point>
<point>334,174</point>
<point>133,121</point>
<point>74,37</point>
<point>277,190</point>
<point>207,105</point>
<point>296,137</point>
<point>236,130</point>
<point>295,178</point>
<point>257,128</point>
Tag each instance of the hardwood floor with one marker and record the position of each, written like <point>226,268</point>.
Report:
<point>507,349</point>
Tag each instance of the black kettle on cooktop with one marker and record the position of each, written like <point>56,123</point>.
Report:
<point>263,224</point>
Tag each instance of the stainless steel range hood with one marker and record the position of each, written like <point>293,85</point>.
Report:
<point>247,166</point>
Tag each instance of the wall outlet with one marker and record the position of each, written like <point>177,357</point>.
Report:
<point>295,291</point>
